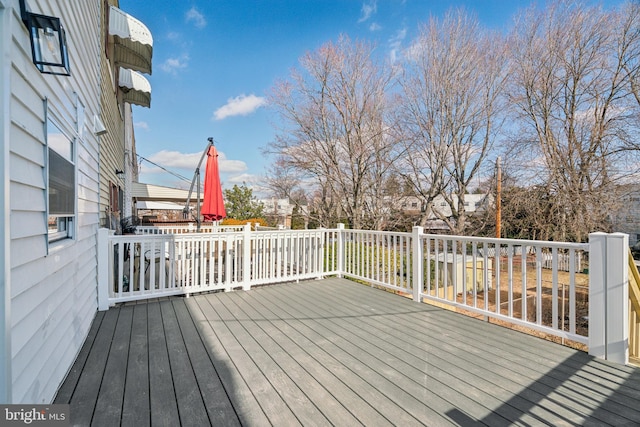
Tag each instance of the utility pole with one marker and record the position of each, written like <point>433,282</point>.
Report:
<point>498,196</point>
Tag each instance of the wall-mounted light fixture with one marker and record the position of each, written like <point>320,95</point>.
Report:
<point>48,42</point>
<point>120,173</point>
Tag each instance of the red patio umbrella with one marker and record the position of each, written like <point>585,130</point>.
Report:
<point>212,201</point>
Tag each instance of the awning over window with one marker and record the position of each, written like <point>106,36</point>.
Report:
<point>133,42</point>
<point>135,88</point>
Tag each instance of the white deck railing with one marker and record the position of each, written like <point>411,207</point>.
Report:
<point>458,271</point>
<point>150,266</point>
<point>517,281</point>
<point>185,229</point>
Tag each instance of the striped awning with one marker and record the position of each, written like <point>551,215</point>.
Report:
<point>135,87</point>
<point>133,43</point>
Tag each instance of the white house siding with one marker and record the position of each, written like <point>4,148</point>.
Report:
<point>626,218</point>
<point>52,290</point>
<point>112,143</point>
<point>5,253</point>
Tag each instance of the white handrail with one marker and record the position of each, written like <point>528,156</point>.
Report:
<point>541,285</point>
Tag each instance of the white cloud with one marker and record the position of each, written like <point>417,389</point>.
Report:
<point>245,178</point>
<point>239,106</point>
<point>173,160</point>
<point>230,166</point>
<point>172,65</point>
<point>368,9</point>
<point>395,43</point>
<point>375,27</point>
<point>188,162</point>
<point>141,125</point>
<point>194,15</point>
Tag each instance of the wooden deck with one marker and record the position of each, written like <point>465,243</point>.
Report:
<point>332,352</point>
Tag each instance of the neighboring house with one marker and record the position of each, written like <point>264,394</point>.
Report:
<point>127,47</point>
<point>51,188</point>
<point>473,203</point>
<point>172,201</point>
<point>280,210</point>
<point>157,193</point>
<point>626,219</point>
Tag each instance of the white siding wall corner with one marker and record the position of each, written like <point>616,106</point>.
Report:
<point>50,310</point>
<point>5,253</point>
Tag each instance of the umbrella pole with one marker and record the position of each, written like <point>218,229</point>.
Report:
<point>198,192</point>
<point>196,175</point>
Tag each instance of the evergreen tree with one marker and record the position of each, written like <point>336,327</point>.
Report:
<point>241,204</point>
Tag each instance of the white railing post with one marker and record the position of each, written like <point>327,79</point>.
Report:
<point>246,257</point>
<point>609,297</point>
<point>340,250</point>
<point>417,258</point>
<point>104,261</point>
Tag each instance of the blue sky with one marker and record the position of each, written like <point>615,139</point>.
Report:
<point>214,61</point>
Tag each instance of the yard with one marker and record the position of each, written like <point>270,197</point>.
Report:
<point>537,307</point>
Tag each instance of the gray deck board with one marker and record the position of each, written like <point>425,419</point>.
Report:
<point>271,402</point>
<point>263,356</point>
<point>291,361</point>
<point>319,360</point>
<point>86,392</point>
<point>473,374</point>
<point>406,365</point>
<point>135,407</point>
<point>219,407</point>
<point>552,382</point>
<point>244,402</point>
<point>67,389</point>
<point>332,352</point>
<point>385,378</point>
<point>163,402</point>
<point>480,355</point>
<point>187,391</point>
<point>300,349</point>
<point>109,404</point>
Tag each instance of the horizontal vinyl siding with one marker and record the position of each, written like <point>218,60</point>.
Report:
<point>26,197</point>
<point>49,313</point>
<point>112,143</point>
<point>53,296</point>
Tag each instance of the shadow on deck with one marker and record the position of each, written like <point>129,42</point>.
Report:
<point>332,352</point>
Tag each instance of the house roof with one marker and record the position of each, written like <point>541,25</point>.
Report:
<point>145,192</point>
<point>159,206</point>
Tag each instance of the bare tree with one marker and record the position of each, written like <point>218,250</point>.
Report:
<point>334,111</point>
<point>570,88</point>
<point>452,84</point>
<point>283,180</point>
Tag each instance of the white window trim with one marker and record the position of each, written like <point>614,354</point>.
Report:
<point>60,238</point>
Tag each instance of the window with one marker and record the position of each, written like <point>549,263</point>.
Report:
<point>61,187</point>
<point>114,197</point>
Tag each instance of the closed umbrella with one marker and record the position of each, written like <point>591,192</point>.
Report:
<point>212,202</point>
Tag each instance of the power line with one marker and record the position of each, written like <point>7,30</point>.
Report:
<point>164,169</point>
